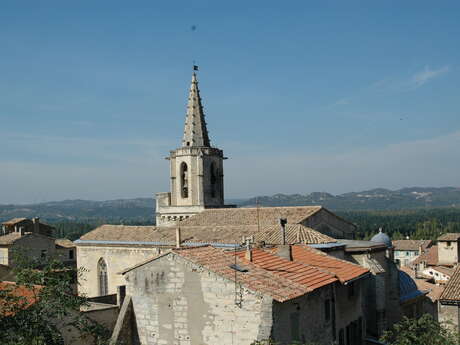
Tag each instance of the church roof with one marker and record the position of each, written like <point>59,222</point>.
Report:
<point>229,234</point>
<point>251,216</point>
<point>195,131</point>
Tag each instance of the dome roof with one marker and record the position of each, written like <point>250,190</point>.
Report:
<point>408,288</point>
<point>381,237</point>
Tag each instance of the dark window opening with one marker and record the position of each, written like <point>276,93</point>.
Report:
<point>341,337</point>
<point>351,290</point>
<point>188,143</point>
<point>184,180</point>
<point>213,180</point>
<point>327,309</point>
<point>295,325</point>
<point>43,253</point>
<point>71,254</point>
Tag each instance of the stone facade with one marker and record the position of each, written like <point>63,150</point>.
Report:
<point>381,292</point>
<point>330,224</point>
<point>117,259</point>
<point>448,252</point>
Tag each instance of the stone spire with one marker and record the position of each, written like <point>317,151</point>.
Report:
<point>195,132</point>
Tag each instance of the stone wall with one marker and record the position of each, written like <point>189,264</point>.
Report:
<point>448,252</point>
<point>331,225</point>
<point>176,302</point>
<point>117,258</point>
<point>34,246</point>
<point>304,319</point>
<point>449,316</point>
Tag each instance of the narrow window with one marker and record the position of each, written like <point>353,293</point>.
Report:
<point>71,254</point>
<point>341,337</point>
<point>184,180</point>
<point>102,275</point>
<point>213,175</point>
<point>351,290</point>
<point>43,253</point>
<point>327,309</point>
<point>295,325</point>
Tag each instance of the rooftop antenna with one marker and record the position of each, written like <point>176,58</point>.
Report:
<point>257,210</point>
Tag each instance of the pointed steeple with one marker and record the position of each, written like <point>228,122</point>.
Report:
<point>195,132</point>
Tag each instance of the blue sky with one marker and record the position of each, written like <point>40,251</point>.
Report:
<point>303,96</point>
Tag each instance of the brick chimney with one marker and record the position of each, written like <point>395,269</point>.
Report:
<point>36,222</point>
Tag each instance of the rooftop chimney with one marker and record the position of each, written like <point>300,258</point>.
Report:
<point>283,222</point>
<point>248,254</point>
<point>178,237</point>
<point>36,222</point>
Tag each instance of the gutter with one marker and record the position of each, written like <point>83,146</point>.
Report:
<point>158,243</point>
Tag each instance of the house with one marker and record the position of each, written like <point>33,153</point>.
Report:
<point>448,249</point>
<point>406,251</point>
<point>382,307</point>
<point>30,244</point>
<point>207,295</point>
<point>66,251</point>
<point>23,225</point>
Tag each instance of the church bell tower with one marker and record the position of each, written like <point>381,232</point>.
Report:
<point>196,169</point>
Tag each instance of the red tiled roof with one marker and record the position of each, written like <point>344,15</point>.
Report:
<point>295,271</point>
<point>452,291</point>
<point>343,270</point>
<point>413,245</point>
<point>25,297</point>
<point>256,278</point>
<point>430,256</point>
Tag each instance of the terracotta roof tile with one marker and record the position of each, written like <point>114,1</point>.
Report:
<point>411,244</point>
<point>257,278</point>
<point>270,234</point>
<point>430,256</point>
<point>452,290</point>
<point>451,236</point>
<point>26,296</point>
<point>64,242</point>
<point>10,238</point>
<point>343,270</point>
<point>251,216</point>
<point>14,221</point>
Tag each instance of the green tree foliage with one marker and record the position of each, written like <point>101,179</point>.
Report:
<point>56,310</point>
<point>422,331</point>
<point>417,224</point>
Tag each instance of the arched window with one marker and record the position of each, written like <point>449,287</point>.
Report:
<point>213,174</point>
<point>102,277</point>
<point>184,180</point>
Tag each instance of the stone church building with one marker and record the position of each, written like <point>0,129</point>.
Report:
<point>193,213</point>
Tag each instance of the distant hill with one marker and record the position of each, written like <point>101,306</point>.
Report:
<point>141,210</point>
<point>132,210</point>
<point>374,199</point>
